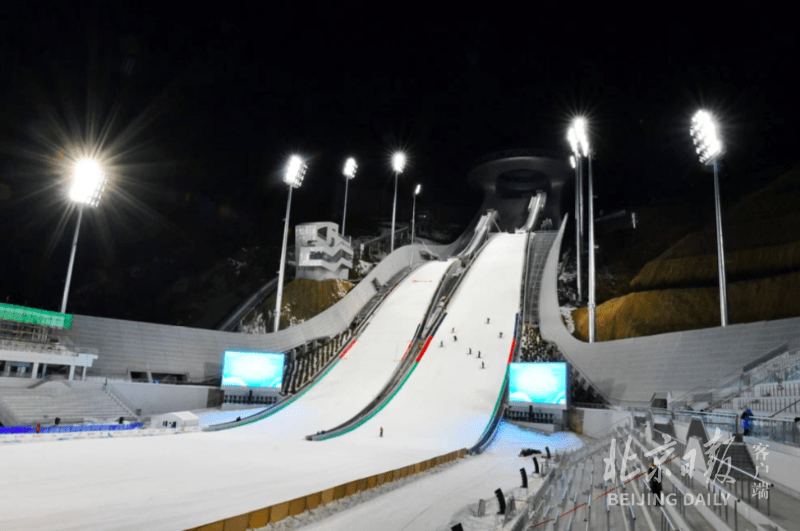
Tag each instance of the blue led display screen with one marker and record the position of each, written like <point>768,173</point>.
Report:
<point>539,383</point>
<point>252,369</point>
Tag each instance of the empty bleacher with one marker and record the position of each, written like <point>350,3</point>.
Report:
<point>43,403</point>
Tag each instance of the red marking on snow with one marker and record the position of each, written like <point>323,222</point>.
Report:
<point>348,348</point>
<point>406,352</point>
<point>424,348</point>
<point>511,354</point>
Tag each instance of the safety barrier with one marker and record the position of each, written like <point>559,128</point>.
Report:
<point>17,430</point>
<point>279,511</point>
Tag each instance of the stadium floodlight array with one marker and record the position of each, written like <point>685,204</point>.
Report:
<point>577,165</point>
<point>709,148</point>
<point>295,172</point>
<point>414,211</point>
<point>705,137</point>
<point>578,139</point>
<point>398,164</point>
<point>88,183</point>
<point>350,168</point>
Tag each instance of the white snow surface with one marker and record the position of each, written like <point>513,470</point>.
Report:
<point>441,499</point>
<point>188,480</point>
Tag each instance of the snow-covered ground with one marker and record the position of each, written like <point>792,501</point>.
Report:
<point>188,480</point>
<point>208,417</point>
<point>443,497</point>
<point>448,401</point>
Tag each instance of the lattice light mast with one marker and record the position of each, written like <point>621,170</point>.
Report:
<point>88,184</point>
<point>293,177</point>
<point>709,149</point>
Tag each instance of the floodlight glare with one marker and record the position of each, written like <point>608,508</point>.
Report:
<point>295,171</point>
<point>704,134</point>
<point>350,168</point>
<point>419,187</point>
<point>572,138</point>
<point>88,183</point>
<point>572,161</point>
<point>582,140</point>
<point>398,162</point>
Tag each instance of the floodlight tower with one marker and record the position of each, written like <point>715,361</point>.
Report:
<point>398,163</point>
<point>578,135</point>
<point>88,183</point>
<point>709,149</point>
<point>572,137</point>
<point>293,177</point>
<point>414,211</point>
<point>350,168</point>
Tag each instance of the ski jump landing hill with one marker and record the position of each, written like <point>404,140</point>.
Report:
<point>445,404</point>
<point>198,478</point>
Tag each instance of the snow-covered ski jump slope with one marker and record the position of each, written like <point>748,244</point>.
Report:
<point>449,399</point>
<point>362,371</point>
<point>184,481</point>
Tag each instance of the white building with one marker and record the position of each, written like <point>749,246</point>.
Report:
<point>322,253</point>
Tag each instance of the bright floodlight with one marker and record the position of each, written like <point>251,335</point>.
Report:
<point>419,187</point>
<point>578,136</point>
<point>572,161</point>
<point>295,171</point>
<point>704,134</point>
<point>88,183</point>
<point>572,138</point>
<point>350,168</point>
<point>398,162</point>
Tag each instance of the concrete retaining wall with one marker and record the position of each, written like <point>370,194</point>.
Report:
<point>134,346</point>
<point>629,371</point>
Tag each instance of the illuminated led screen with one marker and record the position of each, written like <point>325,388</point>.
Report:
<point>539,383</point>
<point>252,369</point>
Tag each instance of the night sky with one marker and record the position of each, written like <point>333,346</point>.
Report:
<point>194,109</point>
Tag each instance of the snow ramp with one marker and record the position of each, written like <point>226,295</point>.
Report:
<point>450,398</point>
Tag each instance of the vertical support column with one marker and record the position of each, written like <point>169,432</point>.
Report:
<point>35,369</point>
<point>44,370</point>
<point>592,306</point>
<point>83,376</point>
<point>723,291</point>
<point>71,372</point>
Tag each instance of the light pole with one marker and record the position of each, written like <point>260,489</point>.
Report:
<point>572,137</point>
<point>709,148</point>
<point>88,183</point>
<point>295,171</point>
<point>414,211</point>
<point>350,168</point>
<point>578,138</point>
<point>398,163</point>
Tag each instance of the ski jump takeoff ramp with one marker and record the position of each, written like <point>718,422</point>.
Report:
<point>189,480</point>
